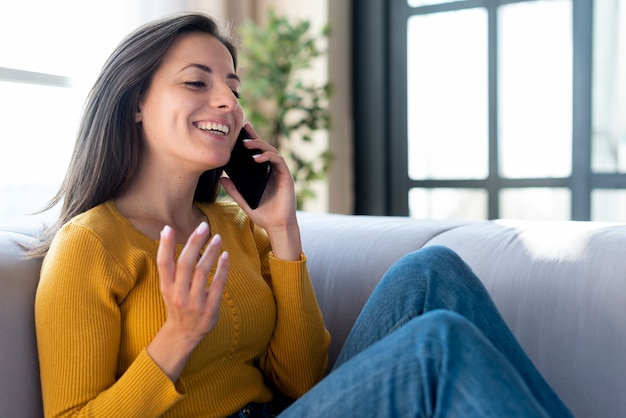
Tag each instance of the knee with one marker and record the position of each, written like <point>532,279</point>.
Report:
<point>432,255</point>
<point>442,320</point>
<point>435,261</point>
<point>441,327</point>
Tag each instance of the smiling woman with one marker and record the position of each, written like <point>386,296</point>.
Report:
<point>141,250</point>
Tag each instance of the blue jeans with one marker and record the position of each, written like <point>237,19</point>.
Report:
<point>430,343</point>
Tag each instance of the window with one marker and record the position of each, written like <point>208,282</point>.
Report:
<point>50,55</point>
<point>484,118</point>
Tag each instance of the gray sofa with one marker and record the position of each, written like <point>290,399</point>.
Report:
<point>561,286</point>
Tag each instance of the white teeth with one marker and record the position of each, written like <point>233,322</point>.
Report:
<point>215,127</point>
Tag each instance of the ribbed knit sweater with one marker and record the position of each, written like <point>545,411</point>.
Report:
<point>99,305</point>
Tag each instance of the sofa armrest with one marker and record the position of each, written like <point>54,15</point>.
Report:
<point>20,390</point>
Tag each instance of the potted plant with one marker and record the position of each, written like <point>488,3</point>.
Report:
<point>285,109</point>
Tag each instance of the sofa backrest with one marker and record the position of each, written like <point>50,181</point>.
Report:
<point>20,391</point>
<point>560,286</point>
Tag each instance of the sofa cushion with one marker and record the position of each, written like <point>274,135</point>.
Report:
<point>561,287</point>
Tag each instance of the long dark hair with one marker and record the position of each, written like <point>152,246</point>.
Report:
<point>108,145</point>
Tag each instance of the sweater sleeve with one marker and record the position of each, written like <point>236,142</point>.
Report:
<point>297,356</point>
<point>78,324</point>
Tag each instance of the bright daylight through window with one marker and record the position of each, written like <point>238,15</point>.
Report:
<point>496,109</point>
<point>49,56</point>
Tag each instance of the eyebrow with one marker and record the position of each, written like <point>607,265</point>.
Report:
<point>202,67</point>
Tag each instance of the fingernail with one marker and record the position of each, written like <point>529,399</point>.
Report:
<point>217,239</point>
<point>247,140</point>
<point>166,231</point>
<point>224,256</point>
<point>202,228</point>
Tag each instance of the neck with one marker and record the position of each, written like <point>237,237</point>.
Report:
<point>154,201</point>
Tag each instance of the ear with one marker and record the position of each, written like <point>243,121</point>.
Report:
<point>138,115</point>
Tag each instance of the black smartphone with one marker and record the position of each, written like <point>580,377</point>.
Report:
<point>249,177</point>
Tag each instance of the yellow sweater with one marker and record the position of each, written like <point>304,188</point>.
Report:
<point>98,306</point>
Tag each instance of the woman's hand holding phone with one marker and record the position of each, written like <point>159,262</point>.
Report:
<point>276,212</point>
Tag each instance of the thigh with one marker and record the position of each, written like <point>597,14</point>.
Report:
<point>438,364</point>
<point>436,278</point>
<point>427,279</point>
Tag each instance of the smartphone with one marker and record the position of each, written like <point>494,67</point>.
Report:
<point>249,177</point>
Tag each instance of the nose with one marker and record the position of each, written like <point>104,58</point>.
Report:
<point>223,98</point>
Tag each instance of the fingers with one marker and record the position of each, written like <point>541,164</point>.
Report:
<point>166,254</point>
<point>188,273</point>
<point>219,280</point>
<point>250,130</point>
<point>192,309</point>
<point>186,264</point>
<point>205,264</point>
<point>257,142</point>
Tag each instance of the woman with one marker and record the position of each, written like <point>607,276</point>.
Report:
<point>155,300</point>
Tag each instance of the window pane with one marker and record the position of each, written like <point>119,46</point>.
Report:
<point>535,89</point>
<point>608,205</point>
<point>447,95</point>
<point>448,203</point>
<point>535,203</point>
<point>609,87</point>
<point>36,139</point>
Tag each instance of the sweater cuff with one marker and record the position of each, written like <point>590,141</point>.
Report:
<point>289,277</point>
<point>162,393</point>
<point>274,259</point>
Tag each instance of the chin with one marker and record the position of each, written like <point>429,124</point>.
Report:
<point>222,161</point>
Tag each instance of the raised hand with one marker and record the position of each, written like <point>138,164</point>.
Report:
<point>192,308</point>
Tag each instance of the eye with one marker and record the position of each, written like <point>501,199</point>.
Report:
<point>236,94</point>
<point>195,84</point>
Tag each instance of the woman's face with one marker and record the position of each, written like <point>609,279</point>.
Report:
<point>190,114</point>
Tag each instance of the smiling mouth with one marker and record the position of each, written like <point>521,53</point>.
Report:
<point>214,128</point>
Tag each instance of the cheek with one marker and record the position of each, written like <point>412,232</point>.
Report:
<point>240,116</point>
<point>165,106</point>
<point>153,111</point>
